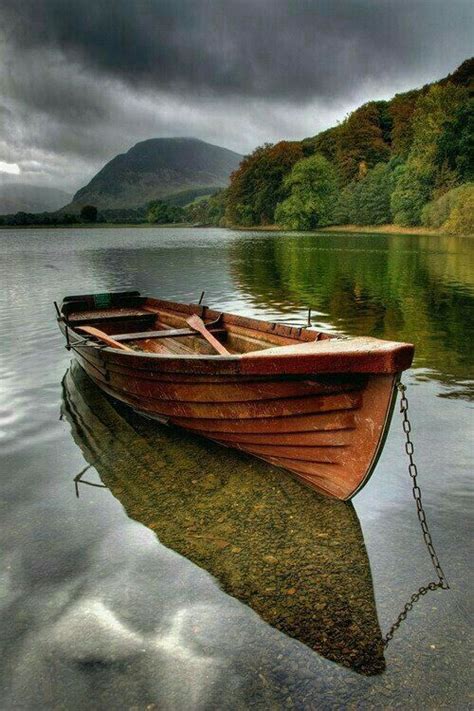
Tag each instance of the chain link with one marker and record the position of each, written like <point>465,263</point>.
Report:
<point>441,583</point>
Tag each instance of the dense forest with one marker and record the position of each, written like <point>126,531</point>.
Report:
<point>171,209</point>
<point>407,161</point>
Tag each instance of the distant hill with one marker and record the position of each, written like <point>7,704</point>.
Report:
<point>21,197</point>
<point>157,168</point>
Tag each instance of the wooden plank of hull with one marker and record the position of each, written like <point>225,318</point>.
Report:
<point>324,454</point>
<point>301,425</point>
<point>338,359</point>
<point>294,363</point>
<point>328,485</point>
<point>265,409</point>
<point>321,382</point>
<point>354,355</point>
<point>334,438</point>
<point>315,422</point>
<point>199,365</point>
<point>223,391</point>
<point>153,372</point>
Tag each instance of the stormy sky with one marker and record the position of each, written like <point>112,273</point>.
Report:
<point>82,80</point>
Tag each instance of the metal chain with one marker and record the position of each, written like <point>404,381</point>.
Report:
<point>442,583</point>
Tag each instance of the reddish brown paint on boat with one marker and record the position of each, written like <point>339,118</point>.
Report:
<point>312,403</point>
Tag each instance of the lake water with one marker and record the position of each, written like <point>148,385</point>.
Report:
<point>189,576</point>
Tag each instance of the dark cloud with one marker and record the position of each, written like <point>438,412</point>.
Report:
<point>82,80</point>
<point>293,49</point>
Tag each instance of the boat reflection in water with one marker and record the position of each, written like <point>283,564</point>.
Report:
<point>296,558</point>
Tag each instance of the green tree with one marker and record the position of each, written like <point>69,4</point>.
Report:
<point>402,107</point>
<point>412,190</point>
<point>346,209</point>
<point>455,145</point>
<point>362,137</point>
<point>160,213</point>
<point>450,211</point>
<point>257,186</point>
<point>422,174</point>
<point>366,201</point>
<point>374,196</point>
<point>313,188</point>
<point>325,143</point>
<point>461,219</point>
<point>208,211</point>
<point>435,111</point>
<point>89,213</point>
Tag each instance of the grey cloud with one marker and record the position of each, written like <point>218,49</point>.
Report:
<point>272,48</point>
<point>81,81</point>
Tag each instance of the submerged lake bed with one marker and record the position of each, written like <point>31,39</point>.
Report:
<point>143,567</point>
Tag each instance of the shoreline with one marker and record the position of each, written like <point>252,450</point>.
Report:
<point>92,225</point>
<point>353,229</point>
<point>337,229</point>
<point>384,229</point>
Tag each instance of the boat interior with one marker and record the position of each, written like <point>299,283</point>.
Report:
<point>129,321</point>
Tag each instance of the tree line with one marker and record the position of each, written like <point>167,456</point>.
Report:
<point>156,212</point>
<point>408,161</point>
<point>177,208</point>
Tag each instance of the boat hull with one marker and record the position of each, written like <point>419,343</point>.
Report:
<point>327,431</point>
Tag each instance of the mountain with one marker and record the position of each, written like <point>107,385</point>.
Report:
<point>21,197</point>
<point>157,168</point>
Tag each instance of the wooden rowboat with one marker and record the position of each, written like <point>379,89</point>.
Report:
<point>315,404</point>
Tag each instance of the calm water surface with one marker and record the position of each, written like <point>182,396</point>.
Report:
<point>189,576</point>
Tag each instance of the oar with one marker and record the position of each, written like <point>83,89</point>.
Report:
<point>103,337</point>
<point>197,324</point>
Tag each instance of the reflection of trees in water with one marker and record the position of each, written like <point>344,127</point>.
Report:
<point>390,286</point>
<point>296,558</point>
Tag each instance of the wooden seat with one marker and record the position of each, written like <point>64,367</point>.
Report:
<point>168,333</point>
<point>116,314</point>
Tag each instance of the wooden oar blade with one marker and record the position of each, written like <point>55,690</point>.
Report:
<point>91,331</point>
<point>197,324</point>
